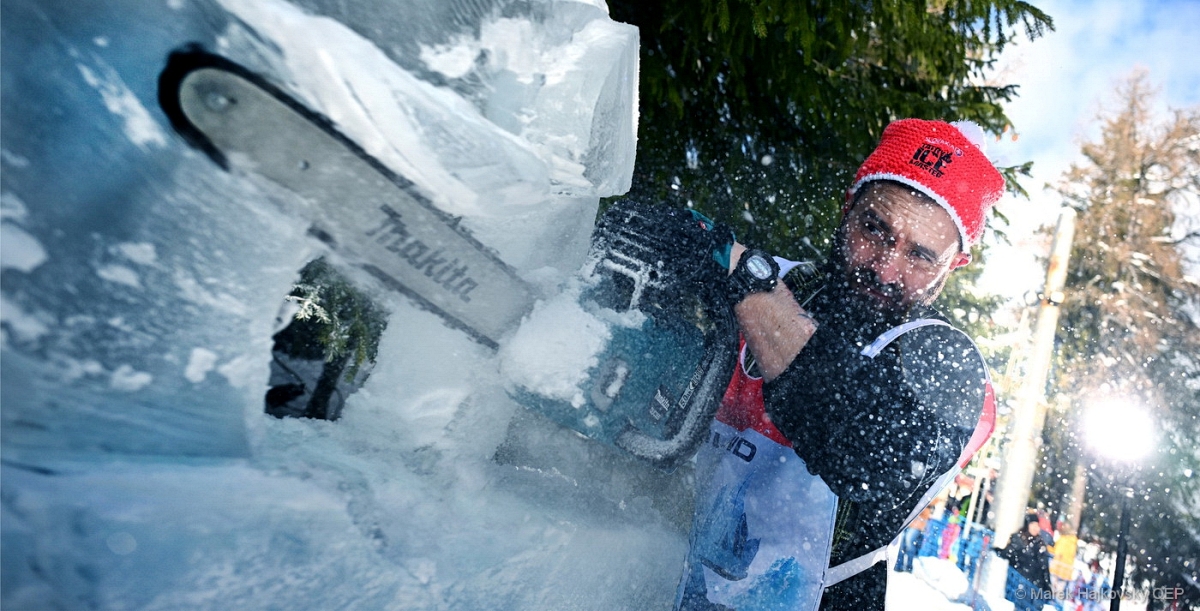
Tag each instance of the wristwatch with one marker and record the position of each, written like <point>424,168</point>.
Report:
<point>756,272</point>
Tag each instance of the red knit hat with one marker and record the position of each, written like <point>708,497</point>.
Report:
<point>942,160</point>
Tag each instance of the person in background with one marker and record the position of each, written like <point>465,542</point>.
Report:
<point>1091,588</point>
<point>954,520</point>
<point>971,552</point>
<point>1047,531</point>
<point>1026,554</point>
<point>911,540</point>
<point>1062,565</point>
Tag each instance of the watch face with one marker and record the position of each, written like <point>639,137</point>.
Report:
<point>758,267</point>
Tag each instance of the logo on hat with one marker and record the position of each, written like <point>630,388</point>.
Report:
<point>932,159</point>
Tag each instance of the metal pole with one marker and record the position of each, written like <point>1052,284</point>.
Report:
<point>972,506</point>
<point>1122,544</point>
<point>980,516</point>
<point>977,512</point>
<point>1078,494</point>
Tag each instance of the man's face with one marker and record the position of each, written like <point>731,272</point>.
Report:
<point>898,247</point>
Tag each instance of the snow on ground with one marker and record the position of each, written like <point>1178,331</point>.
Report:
<point>909,592</point>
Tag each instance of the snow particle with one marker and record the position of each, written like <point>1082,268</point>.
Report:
<point>451,61</point>
<point>140,126</point>
<point>142,253</point>
<point>122,543</point>
<point>13,159</point>
<point>199,364</point>
<point>129,379</point>
<point>554,348</point>
<point>120,274</point>
<point>23,325</point>
<point>19,250</point>
<point>11,206</point>
<point>423,570</point>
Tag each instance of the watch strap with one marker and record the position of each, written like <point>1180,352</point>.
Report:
<point>756,272</point>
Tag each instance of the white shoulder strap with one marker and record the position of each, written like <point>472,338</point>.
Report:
<point>889,336</point>
<point>850,568</point>
<point>853,567</point>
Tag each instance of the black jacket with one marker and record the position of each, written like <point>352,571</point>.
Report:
<point>1027,555</point>
<point>878,431</point>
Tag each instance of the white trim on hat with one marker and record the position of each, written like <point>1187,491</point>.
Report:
<point>964,241</point>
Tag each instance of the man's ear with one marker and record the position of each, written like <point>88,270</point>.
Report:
<point>961,259</point>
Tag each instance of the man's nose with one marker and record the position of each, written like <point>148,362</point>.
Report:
<point>888,266</point>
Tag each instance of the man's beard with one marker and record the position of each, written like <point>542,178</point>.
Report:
<point>846,294</point>
<point>847,306</point>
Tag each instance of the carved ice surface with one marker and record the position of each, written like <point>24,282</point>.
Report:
<point>541,121</point>
<point>141,285</point>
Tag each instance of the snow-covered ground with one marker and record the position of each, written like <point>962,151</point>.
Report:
<point>938,585</point>
<point>909,592</point>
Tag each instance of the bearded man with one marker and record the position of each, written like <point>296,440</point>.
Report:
<point>854,402</point>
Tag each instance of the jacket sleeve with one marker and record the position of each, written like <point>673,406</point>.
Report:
<point>880,430</point>
<point>1009,552</point>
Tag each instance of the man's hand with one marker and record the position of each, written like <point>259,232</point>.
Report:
<point>675,247</point>
<point>776,328</point>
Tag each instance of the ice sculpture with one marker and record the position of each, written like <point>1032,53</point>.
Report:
<point>141,285</point>
<point>137,272</point>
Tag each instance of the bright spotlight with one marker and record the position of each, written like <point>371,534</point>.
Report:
<point>1119,429</point>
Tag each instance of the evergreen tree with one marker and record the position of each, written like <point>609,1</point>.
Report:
<point>336,322</point>
<point>758,112</point>
<point>1129,328</point>
<point>971,310</point>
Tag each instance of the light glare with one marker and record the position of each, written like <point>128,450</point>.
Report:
<point>1119,430</point>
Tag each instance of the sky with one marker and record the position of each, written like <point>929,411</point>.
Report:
<point>1066,79</point>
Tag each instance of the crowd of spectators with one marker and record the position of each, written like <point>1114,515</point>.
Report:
<point>1048,565</point>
